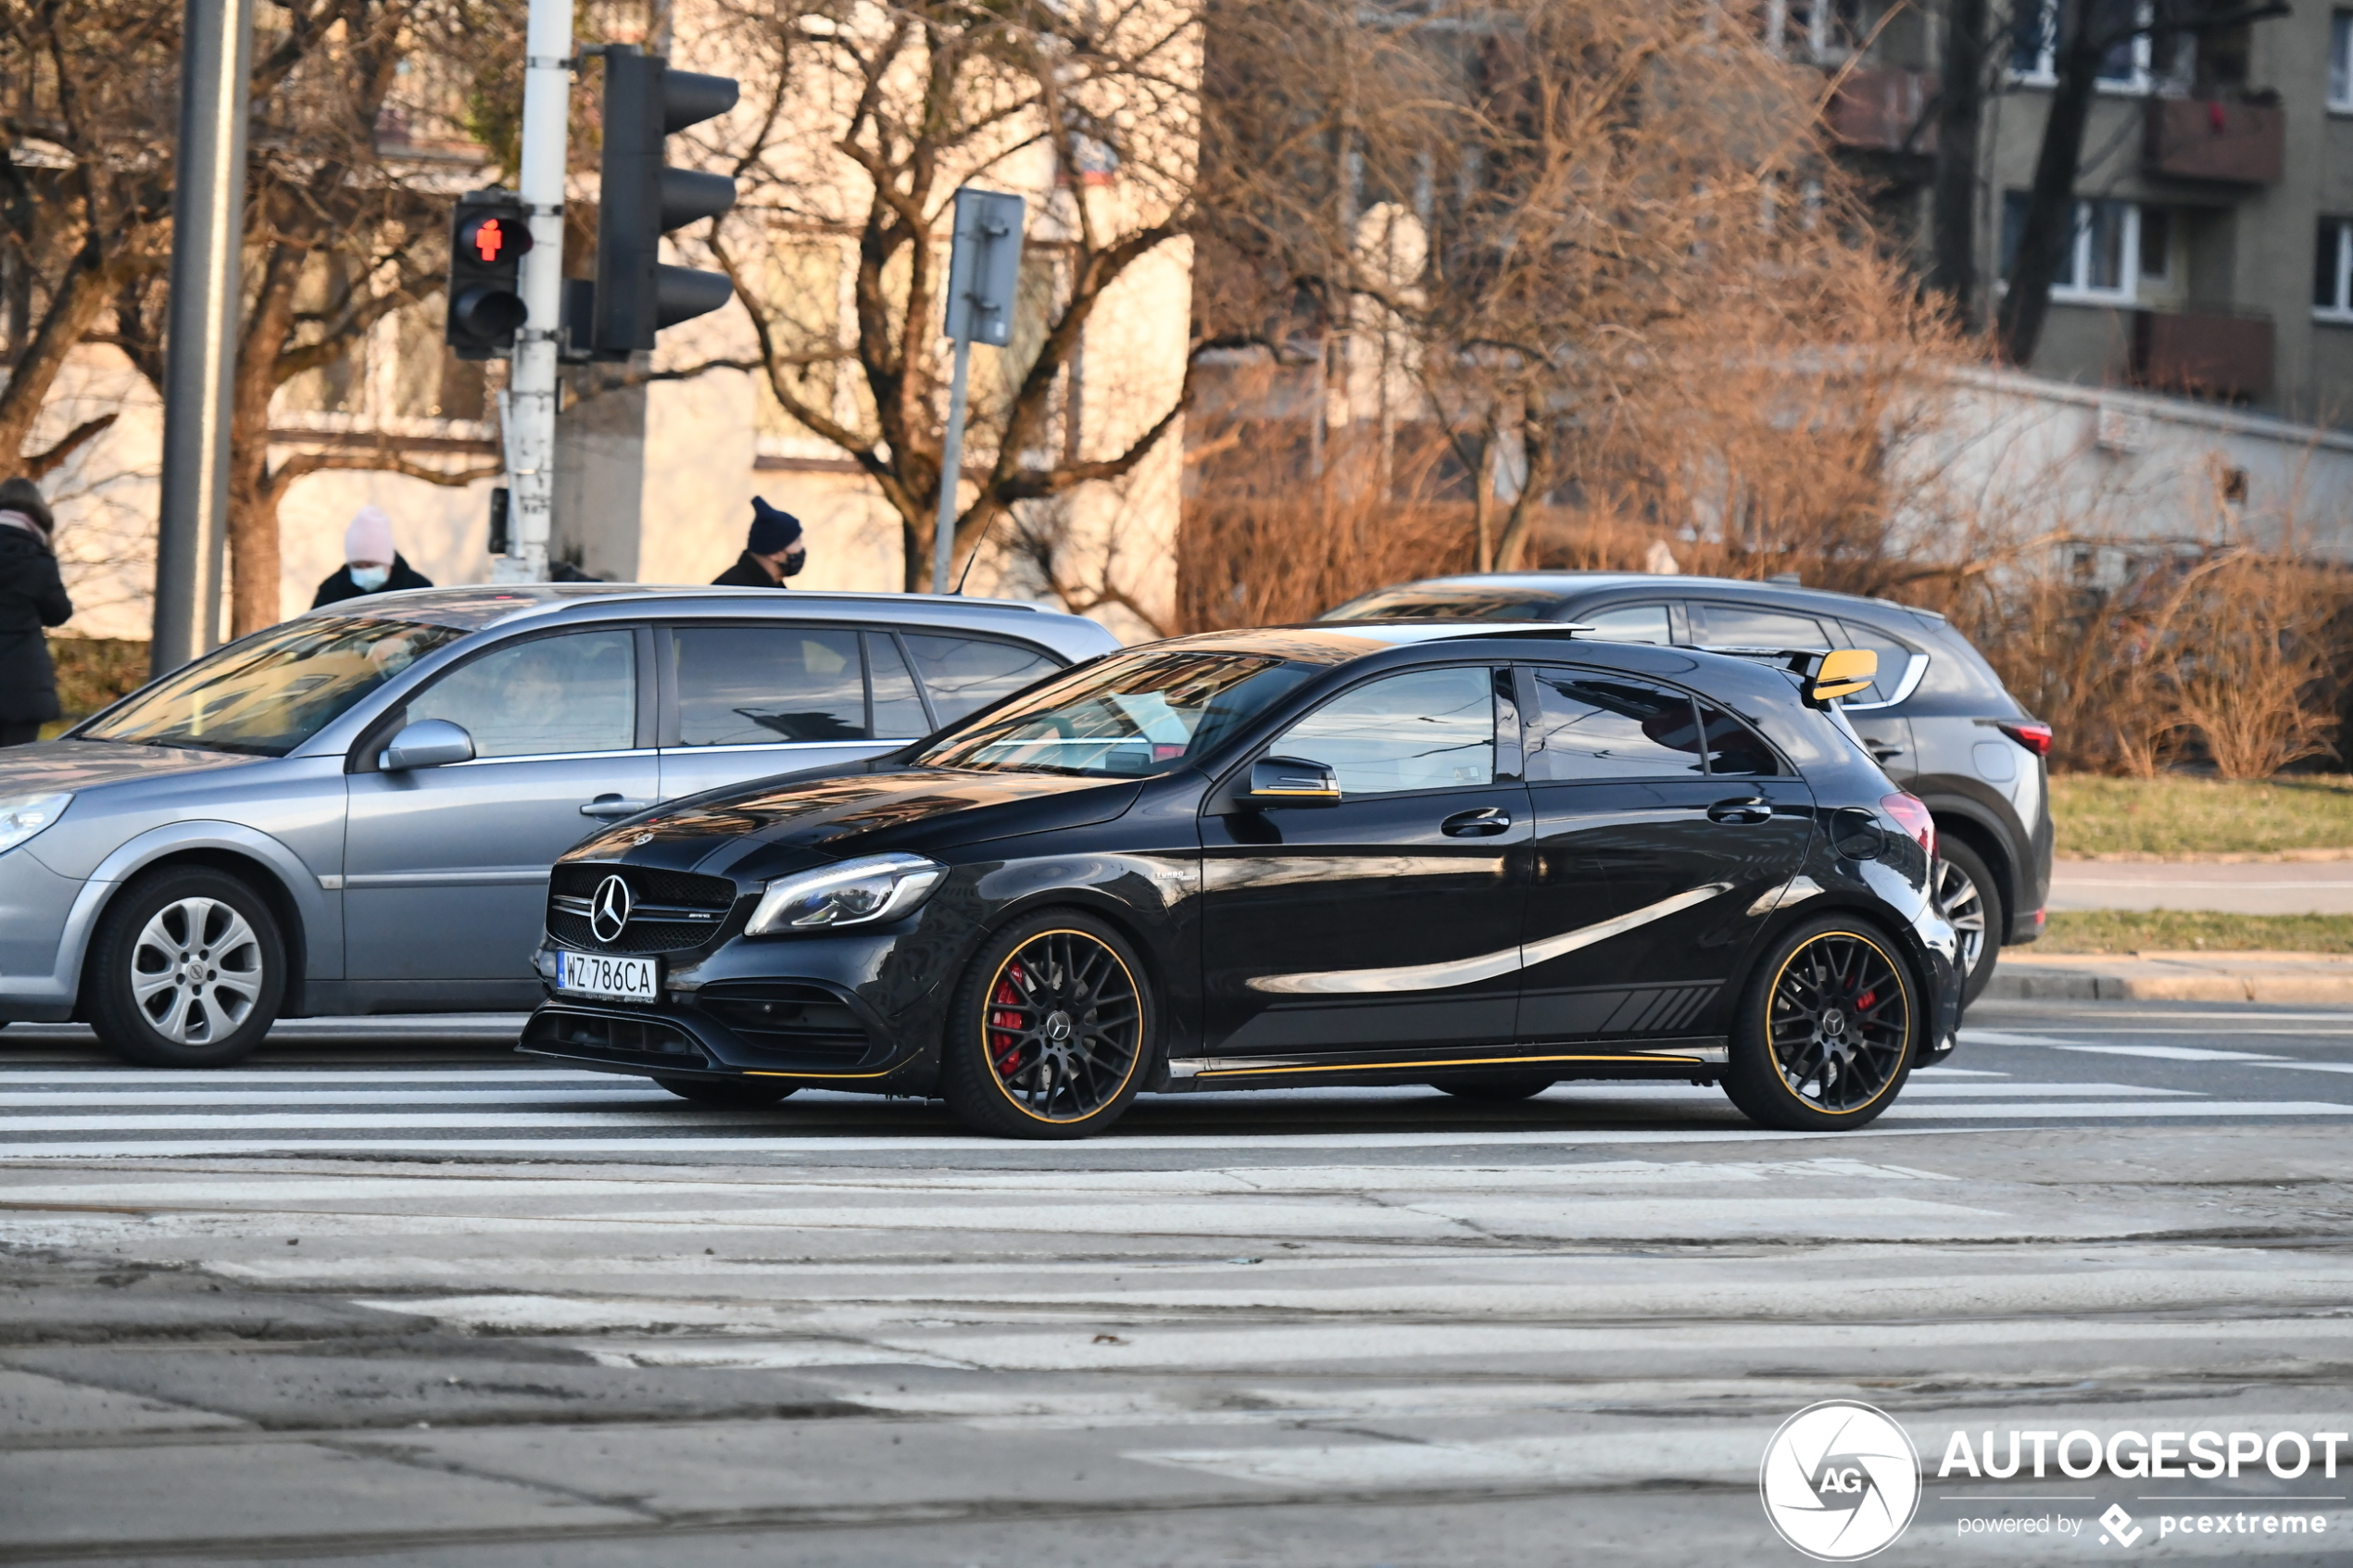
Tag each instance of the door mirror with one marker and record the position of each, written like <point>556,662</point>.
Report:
<point>1291,781</point>
<point>428,743</point>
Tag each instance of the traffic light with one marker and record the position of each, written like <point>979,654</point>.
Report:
<point>488,233</point>
<point>643,199</point>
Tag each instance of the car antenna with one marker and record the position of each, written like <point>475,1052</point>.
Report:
<point>968,563</point>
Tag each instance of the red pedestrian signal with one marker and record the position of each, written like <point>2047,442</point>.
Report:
<point>494,238</point>
<point>488,233</point>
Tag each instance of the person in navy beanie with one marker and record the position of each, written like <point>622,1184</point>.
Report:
<point>775,551</point>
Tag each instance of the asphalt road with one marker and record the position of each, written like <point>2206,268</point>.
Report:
<point>390,1295</point>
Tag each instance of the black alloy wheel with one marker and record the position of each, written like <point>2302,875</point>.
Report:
<point>1050,1030</point>
<point>187,969</point>
<point>1971,902</point>
<point>728,1091</point>
<point>1497,1087</point>
<point>1827,1031</point>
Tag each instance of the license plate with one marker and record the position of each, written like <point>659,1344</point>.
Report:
<point>594,974</point>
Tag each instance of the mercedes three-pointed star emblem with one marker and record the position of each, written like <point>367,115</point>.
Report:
<point>609,911</point>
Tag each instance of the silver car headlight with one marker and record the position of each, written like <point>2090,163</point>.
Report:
<point>21,816</point>
<point>859,892</point>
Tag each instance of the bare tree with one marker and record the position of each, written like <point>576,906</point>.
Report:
<point>344,226</point>
<point>87,89</point>
<point>868,118</point>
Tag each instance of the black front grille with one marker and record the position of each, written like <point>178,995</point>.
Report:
<point>602,1037</point>
<point>799,1020</point>
<point>672,912</point>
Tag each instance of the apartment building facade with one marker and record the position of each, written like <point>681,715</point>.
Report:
<point>2213,243</point>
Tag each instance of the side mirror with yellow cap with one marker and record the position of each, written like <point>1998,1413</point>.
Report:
<point>1842,672</point>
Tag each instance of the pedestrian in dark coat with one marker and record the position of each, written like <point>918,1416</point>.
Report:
<point>773,552</point>
<point>32,599</point>
<point>370,563</point>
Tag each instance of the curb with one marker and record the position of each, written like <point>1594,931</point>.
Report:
<point>2282,978</point>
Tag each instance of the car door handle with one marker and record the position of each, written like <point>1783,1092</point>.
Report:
<point>1751,808</point>
<point>614,805</point>
<point>1485,823</point>
<point>1881,753</point>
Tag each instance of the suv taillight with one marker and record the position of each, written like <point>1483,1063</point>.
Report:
<point>2031,733</point>
<point>1911,814</point>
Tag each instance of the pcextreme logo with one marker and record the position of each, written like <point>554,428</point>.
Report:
<point>1839,1481</point>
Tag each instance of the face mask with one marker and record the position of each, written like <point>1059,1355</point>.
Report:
<point>794,562</point>
<point>368,579</point>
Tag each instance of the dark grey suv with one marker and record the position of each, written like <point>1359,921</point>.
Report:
<point>1937,718</point>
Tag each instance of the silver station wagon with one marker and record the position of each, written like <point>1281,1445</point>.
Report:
<point>355,812</point>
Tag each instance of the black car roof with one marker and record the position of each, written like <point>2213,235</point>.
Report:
<point>1383,643</point>
<point>1567,587</point>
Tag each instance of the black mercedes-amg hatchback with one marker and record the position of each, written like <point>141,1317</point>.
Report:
<point>1483,857</point>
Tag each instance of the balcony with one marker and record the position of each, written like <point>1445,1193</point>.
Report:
<point>1876,110</point>
<point>2214,138</point>
<point>2206,354</point>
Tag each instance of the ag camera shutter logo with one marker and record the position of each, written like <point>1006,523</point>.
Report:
<point>1839,1481</point>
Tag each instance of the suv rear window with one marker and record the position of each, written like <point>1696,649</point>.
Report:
<point>1447,604</point>
<point>965,675</point>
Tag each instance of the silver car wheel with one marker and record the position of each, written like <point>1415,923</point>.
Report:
<point>196,970</point>
<point>1964,906</point>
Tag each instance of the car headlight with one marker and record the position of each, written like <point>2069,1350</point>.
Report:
<point>21,816</point>
<point>875,888</point>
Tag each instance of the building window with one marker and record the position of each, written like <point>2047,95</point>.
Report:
<point>2034,41</point>
<point>1815,29</point>
<point>2333,270</point>
<point>2117,246</point>
<point>2341,61</point>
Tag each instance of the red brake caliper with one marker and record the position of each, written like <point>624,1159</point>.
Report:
<point>1004,1027</point>
<point>1863,1003</point>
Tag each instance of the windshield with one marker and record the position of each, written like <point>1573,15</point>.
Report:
<point>1129,716</point>
<point>270,692</point>
<point>1447,604</point>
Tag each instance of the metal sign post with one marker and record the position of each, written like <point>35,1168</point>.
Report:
<point>528,406</point>
<point>984,267</point>
<point>200,357</point>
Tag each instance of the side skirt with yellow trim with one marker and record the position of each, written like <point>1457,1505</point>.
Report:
<point>1695,1057</point>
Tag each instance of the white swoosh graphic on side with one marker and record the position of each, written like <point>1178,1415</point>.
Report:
<point>1485,966</point>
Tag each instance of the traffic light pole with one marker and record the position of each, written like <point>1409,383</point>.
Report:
<point>530,406</point>
<point>207,212</point>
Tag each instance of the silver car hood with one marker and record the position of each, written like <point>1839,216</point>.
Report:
<point>60,765</point>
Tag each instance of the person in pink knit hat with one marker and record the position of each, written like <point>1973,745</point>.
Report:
<point>371,565</point>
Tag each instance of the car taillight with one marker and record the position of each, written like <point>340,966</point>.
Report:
<point>1911,814</point>
<point>2031,733</point>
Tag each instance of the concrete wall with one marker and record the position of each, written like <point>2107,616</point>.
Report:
<point>2052,457</point>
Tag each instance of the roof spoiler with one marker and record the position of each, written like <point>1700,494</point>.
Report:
<point>1826,674</point>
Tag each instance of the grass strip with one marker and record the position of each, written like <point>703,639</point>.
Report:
<point>2177,931</point>
<point>2176,814</point>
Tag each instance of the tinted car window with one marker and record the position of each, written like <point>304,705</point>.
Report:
<point>1894,660</point>
<point>965,675</point>
<point>267,694</point>
<point>751,686</point>
<point>1127,716</point>
<point>1734,749</point>
<point>1627,623</point>
<point>546,696</point>
<point>1589,726</point>
<point>897,710</point>
<point>1427,729</point>
<point>1748,626</point>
